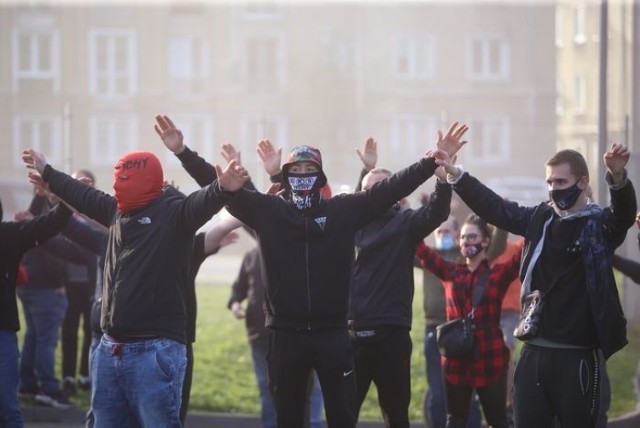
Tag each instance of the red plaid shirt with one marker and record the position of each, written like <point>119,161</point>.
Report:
<point>492,356</point>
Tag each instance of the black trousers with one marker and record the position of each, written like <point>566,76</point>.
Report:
<point>493,399</point>
<point>292,355</point>
<point>561,384</point>
<point>79,297</point>
<point>384,358</point>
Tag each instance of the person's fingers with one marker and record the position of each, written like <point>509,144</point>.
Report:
<point>169,121</point>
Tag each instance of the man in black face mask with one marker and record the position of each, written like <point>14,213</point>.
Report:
<point>567,260</point>
<point>307,245</point>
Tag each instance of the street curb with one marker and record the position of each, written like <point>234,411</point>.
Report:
<point>75,416</point>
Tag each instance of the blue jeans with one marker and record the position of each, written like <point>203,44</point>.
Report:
<point>95,341</point>
<point>10,416</point>
<point>268,411</point>
<point>137,383</point>
<point>44,311</point>
<point>435,402</point>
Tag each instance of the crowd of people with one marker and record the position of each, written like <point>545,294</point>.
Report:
<point>329,288</point>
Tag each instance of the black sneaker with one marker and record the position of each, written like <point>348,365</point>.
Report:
<point>54,399</point>
<point>24,392</point>
<point>69,387</point>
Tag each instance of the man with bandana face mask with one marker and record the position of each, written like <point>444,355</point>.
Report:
<point>307,243</point>
<point>567,257</point>
<point>151,233</point>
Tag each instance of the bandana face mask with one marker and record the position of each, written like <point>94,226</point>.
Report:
<point>305,193</point>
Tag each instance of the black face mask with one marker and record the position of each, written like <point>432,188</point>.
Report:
<point>565,198</point>
<point>305,190</point>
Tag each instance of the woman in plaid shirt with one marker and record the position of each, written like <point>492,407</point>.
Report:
<point>486,369</point>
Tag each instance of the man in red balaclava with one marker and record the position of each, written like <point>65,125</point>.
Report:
<point>143,305</point>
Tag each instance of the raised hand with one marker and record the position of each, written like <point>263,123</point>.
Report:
<point>34,160</point>
<point>171,136</point>
<point>443,160</point>
<point>451,142</point>
<point>233,177</point>
<point>369,154</point>
<point>615,159</point>
<point>230,153</point>
<point>270,157</point>
<point>275,189</point>
<point>36,179</point>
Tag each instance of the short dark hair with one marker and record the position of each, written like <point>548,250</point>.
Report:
<point>575,160</point>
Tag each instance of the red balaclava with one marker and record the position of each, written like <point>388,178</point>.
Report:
<point>137,180</point>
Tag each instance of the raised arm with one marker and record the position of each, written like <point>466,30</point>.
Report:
<point>431,261</point>
<point>214,238</point>
<point>622,211</point>
<point>32,233</point>
<point>89,201</point>
<point>369,157</point>
<point>199,169</point>
<point>429,216</point>
<point>385,193</point>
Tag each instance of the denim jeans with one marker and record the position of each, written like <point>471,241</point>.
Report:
<point>95,341</point>
<point>137,383</point>
<point>268,412</point>
<point>10,416</point>
<point>435,402</point>
<point>44,311</point>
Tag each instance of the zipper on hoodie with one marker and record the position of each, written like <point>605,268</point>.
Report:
<point>306,247</point>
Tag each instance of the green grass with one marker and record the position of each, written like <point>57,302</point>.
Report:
<point>224,381</point>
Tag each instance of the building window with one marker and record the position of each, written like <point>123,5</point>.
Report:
<point>265,62</point>
<point>409,131</point>
<point>488,57</point>
<point>580,94</point>
<point>35,55</point>
<point>258,127</point>
<point>262,10</point>
<point>39,132</point>
<point>188,64</point>
<point>197,130</point>
<point>413,57</point>
<point>111,137</point>
<point>113,64</point>
<point>490,138</point>
<point>579,25</point>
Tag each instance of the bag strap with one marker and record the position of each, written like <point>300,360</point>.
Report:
<point>479,290</point>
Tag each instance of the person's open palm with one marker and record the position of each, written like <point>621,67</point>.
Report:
<point>230,153</point>
<point>171,136</point>
<point>452,141</point>
<point>270,157</point>
<point>369,154</point>
<point>233,177</point>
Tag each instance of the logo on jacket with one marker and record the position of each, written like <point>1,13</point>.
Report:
<point>321,222</point>
<point>144,220</point>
